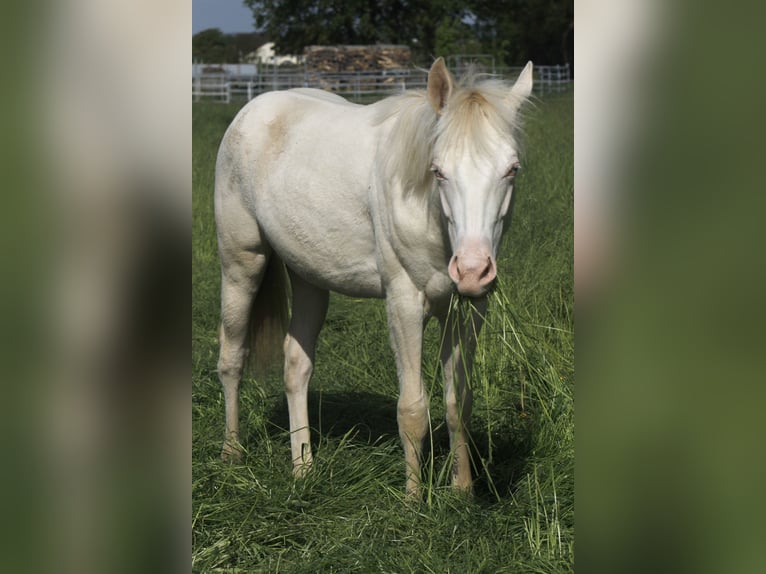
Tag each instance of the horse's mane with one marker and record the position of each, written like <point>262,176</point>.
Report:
<point>475,107</point>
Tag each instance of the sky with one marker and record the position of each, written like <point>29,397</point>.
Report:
<point>231,16</point>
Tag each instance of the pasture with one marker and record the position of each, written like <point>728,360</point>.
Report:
<point>349,514</point>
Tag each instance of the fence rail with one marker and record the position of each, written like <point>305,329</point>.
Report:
<point>214,86</point>
<point>225,83</point>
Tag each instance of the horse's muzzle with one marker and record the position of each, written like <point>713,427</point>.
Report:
<point>473,270</point>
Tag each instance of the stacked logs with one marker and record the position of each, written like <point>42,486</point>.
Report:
<point>334,59</point>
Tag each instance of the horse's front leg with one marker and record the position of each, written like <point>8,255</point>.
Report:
<point>460,332</point>
<point>406,315</point>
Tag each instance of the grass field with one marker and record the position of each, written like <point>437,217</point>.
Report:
<point>349,514</point>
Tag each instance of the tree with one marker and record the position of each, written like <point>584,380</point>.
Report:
<point>454,36</point>
<point>520,30</point>
<point>247,42</point>
<point>294,24</point>
<point>513,31</point>
<point>213,46</point>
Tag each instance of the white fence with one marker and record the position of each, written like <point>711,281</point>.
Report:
<point>213,86</point>
<point>553,78</point>
<point>247,81</point>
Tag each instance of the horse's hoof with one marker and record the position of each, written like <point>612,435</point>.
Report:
<point>413,494</point>
<point>231,454</point>
<point>301,470</point>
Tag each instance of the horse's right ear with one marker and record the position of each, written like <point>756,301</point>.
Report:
<point>439,85</point>
<point>522,89</point>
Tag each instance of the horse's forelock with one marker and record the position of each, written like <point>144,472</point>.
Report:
<point>475,108</point>
<point>477,112</point>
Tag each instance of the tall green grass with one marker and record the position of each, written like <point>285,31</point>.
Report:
<point>349,514</point>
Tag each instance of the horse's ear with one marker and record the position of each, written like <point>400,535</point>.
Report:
<point>522,89</point>
<point>439,85</point>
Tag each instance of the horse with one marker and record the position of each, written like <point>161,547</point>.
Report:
<point>404,199</point>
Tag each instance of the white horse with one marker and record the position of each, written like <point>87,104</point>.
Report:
<point>404,199</point>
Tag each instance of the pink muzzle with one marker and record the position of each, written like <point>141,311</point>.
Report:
<point>473,269</point>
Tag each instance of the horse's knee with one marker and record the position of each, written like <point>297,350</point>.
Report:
<point>412,409</point>
<point>452,415</point>
<point>230,366</point>
<point>457,412</point>
<point>231,357</point>
<point>413,418</point>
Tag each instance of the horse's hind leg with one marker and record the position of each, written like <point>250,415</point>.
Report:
<point>241,274</point>
<point>309,311</point>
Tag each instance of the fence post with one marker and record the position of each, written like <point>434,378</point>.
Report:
<point>357,85</point>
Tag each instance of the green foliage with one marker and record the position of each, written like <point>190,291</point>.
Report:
<point>514,31</point>
<point>349,515</point>
<point>247,42</point>
<point>455,37</point>
<point>213,46</point>
<point>294,24</point>
<point>519,30</point>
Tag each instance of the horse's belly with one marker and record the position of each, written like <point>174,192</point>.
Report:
<point>335,251</point>
<point>356,281</point>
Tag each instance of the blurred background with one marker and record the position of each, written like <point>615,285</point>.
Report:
<point>512,31</point>
<point>668,259</point>
<point>363,49</point>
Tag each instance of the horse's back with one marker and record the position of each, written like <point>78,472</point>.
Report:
<point>281,124</point>
<point>322,95</point>
<point>300,160</point>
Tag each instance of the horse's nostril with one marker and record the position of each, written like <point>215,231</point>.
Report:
<point>471,271</point>
<point>455,272</point>
<point>489,273</point>
<point>487,269</point>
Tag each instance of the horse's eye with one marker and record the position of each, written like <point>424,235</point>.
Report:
<point>437,173</point>
<point>511,173</point>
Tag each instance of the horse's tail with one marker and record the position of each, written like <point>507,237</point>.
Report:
<point>269,317</point>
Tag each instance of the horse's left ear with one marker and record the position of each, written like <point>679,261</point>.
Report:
<point>522,89</point>
<point>439,85</point>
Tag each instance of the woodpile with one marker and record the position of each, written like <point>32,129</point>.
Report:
<point>213,70</point>
<point>334,59</point>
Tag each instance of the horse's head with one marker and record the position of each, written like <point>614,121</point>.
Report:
<point>475,161</point>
